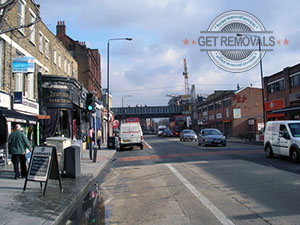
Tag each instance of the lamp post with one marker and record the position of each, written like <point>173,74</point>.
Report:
<point>261,72</point>
<point>107,94</point>
<point>122,104</point>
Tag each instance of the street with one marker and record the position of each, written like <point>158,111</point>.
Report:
<point>183,183</point>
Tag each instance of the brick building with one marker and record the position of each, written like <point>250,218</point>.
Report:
<point>89,61</point>
<point>234,113</point>
<point>23,53</point>
<point>282,94</point>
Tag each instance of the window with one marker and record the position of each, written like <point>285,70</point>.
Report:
<point>295,80</point>
<point>41,42</point>
<point>30,85</point>
<point>54,56</point>
<point>21,15</point>
<point>47,48</point>
<point>32,28</point>
<point>69,70</point>
<point>276,86</point>
<point>218,105</point>
<point>227,102</point>
<point>59,61</point>
<point>19,81</point>
<point>65,66</point>
<point>211,107</point>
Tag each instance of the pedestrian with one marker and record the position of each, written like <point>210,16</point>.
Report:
<point>99,138</point>
<point>17,142</point>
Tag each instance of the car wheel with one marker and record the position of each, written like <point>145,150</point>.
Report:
<point>199,144</point>
<point>141,146</point>
<point>294,155</point>
<point>204,144</point>
<point>224,145</point>
<point>269,151</point>
<point>121,148</point>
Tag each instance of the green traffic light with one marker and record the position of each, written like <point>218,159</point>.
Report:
<point>90,108</point>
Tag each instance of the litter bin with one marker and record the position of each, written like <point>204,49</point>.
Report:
<point>111,142</point>
<point>72,161</point>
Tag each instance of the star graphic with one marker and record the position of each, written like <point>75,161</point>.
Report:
<point>186,42</point>
<point>193,42</point>
<point>286,41</point>
<point>278,42</point>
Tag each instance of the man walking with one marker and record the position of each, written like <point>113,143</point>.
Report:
<point>16,147</point>
<point>99,138</point>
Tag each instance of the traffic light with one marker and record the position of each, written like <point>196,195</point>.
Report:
<point>90,103</point>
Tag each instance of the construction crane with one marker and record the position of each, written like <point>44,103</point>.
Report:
<point>186,78</point>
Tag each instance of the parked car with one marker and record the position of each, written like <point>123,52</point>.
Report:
<point>282,138</point>
<point>211,136</point>
<point>167,133</point>
<point>130,135</point>
<point>187,134</point>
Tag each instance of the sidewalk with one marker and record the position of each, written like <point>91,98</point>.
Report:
<point>244,141</point>
<point>31,207</point>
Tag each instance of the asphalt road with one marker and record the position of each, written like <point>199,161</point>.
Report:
<point>181,183</point>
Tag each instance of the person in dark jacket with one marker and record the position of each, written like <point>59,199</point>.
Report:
<point>17,142</point>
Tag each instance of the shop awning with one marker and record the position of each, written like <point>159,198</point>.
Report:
<point>13,116</point>
<point>287,110</point>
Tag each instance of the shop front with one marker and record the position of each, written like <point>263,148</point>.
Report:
<point>62,99</point>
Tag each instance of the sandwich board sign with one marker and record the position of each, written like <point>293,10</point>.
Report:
<point>43,166</point>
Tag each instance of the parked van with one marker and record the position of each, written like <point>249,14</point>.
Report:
<point>283,138</point>
<point>130,135</point>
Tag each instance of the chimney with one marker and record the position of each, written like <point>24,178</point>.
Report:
<point>60,28</point>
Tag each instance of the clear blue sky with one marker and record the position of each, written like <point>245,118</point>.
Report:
<point>151,66</point>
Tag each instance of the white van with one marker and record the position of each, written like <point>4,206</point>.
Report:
<point>283,138</point>
<point>130,135</point>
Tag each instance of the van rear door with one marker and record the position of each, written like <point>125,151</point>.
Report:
<point>135,131</point>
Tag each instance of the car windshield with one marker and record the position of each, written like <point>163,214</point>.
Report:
<point>188,132</point>
<point>295,129</point>
<point>212,132</point>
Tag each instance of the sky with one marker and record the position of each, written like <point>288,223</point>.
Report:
<point>150,67</point>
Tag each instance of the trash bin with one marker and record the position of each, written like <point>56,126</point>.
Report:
<point>60,143</point>
<point>111,142</point>
<point>72,161</point>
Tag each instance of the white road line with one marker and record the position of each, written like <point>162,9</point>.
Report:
<point>217,213</point>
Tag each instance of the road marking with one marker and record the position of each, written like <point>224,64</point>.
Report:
<point>215,211</point>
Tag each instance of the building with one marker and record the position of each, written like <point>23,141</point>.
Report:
<point>89,61</point>
<point>23,53</point>
<point>282,94</point>
<point>89,72</point>
<point>234,113</point>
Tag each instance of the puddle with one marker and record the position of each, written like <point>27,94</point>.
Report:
<point>90,210</point>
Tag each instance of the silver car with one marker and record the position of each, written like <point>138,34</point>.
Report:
<point>188,134</point>
<point>210,136</point>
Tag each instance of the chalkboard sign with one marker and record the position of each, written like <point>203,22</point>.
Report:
<point>43,166</point>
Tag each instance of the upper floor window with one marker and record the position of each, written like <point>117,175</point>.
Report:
<point>46,48</point>
<point>65,66</point>
<point>218,105</point>
<point>32,28</point>
<point>210,107</point>
<point>41,42</point>
<point>21,14</point>
<point>295,80</point>
<point>227,102</point>
<point>276,86</point>
<point>59,61</point>
<point>54,56</point>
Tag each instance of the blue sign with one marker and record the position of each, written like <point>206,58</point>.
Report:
<point>23,65</point>
<point>18,97</point>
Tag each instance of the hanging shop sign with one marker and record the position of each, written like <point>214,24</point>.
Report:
<point>23,65</point>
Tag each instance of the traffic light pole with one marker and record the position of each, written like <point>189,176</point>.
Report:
<point>90,134</point>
